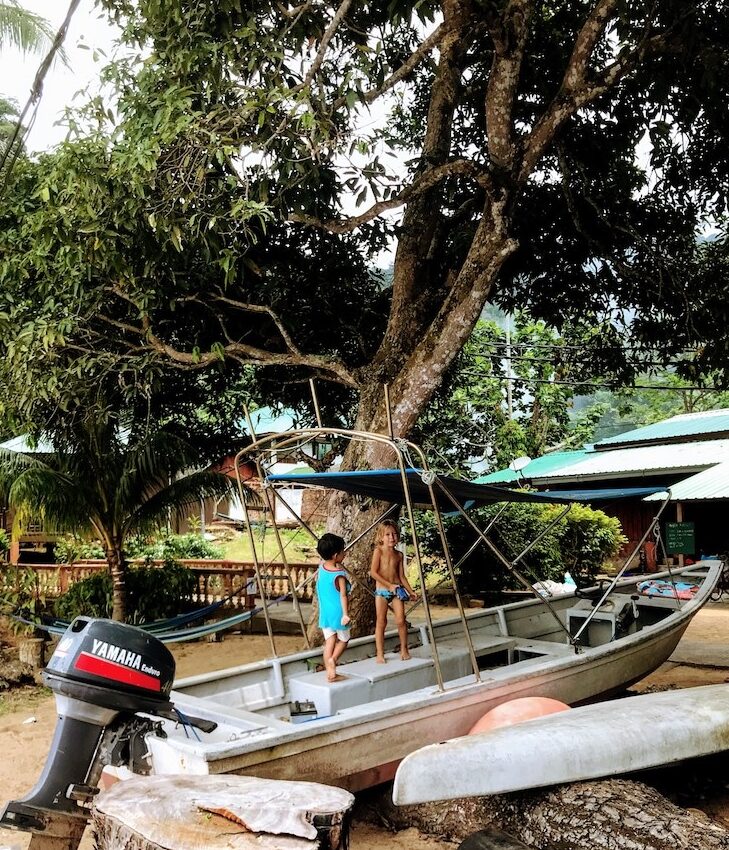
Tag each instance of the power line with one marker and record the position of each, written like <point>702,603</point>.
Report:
<point>586,352</point>
<point>616,385</point>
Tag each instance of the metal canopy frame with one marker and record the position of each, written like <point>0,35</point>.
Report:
<point>403,451</point>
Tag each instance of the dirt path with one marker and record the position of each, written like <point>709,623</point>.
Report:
<point>25,733</point>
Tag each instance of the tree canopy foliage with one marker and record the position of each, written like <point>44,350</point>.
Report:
<point>208,218</point>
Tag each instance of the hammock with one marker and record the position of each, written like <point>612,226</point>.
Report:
<point>157,626</point>
<point>176,636</point>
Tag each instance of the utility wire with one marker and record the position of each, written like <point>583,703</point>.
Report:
<point>14,146</point>
<point>615,385</point>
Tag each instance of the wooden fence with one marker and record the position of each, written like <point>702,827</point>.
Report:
<point>234,581</point>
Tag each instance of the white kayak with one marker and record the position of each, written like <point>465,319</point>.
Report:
<point>602,739</point>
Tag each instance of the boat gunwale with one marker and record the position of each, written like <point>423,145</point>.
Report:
<point>400,706</point>
<point>474,614</point>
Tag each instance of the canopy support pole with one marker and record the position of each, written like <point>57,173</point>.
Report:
<point>428,478</point>
<point>271,504</point>
<point>618,576</point>
<point>419,564</point>
<point>252,541</point>
<point>503,560</point>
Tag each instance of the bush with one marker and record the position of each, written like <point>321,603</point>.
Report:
<point>20,595</point>
<point>90,597</point>
<point>72,548</point>
<point>153,593</point>
<point>172,547</point>
<point>580,542</point>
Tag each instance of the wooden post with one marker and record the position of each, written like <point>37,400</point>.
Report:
<point>221,811</point>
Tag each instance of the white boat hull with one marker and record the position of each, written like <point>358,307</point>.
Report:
<point>358,744</point>
<point>571,746</point>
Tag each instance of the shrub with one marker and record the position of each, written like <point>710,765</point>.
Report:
<point>580,542</point>
<point>72,548</point>
<point>153,593</point>
<point>90,597</point>
<point>172,547</point>
<point>21,595</point>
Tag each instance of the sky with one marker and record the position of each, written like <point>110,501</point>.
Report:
<point>89,32</point>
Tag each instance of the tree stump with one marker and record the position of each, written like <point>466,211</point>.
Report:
<point>613,814</point>
<point>218,812</point>
<point>31,651</point>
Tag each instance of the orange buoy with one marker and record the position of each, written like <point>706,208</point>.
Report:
<point>516,710</point>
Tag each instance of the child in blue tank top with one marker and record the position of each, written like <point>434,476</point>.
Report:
<point>331,590</point>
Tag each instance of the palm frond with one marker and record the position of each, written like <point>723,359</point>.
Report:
<point>41,493</point>
<point>23,29</point>
<point>179,496</point>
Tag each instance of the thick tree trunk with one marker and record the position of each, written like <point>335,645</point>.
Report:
<point>613,814</point>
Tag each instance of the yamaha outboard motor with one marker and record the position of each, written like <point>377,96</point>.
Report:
<point>102,673</point>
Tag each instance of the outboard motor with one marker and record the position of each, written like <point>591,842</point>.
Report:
<point>102,674</point>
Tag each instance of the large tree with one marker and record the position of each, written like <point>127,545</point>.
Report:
<point>556,156</point>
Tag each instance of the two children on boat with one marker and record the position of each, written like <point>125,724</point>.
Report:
<point>332,586</point>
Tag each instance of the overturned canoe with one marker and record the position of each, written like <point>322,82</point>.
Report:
<point>602,739</point>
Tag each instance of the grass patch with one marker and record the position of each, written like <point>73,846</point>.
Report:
<point>298,546</point>
<point>23,698</point>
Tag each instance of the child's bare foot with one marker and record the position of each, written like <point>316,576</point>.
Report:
<point>405,656</point>
<point>331,667</point>
<point>380,659</point>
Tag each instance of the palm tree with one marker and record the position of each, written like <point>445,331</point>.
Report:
<point>23,29</point>
<point>99,480</point>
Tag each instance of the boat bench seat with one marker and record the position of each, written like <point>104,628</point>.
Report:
<point>544,647</point>
<point>362,682</point>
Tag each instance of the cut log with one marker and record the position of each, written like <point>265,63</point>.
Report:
<point>31,651</point>
<point>217,812</point>
<point>612,814</point>
<point>492,839</point>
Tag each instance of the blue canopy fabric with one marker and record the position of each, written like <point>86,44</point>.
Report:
<point>386,485</point>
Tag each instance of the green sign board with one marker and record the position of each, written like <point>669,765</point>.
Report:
<point>680,538</point>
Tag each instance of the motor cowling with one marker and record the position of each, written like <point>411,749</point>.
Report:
<point>102,673</point>
<point>111,665</point>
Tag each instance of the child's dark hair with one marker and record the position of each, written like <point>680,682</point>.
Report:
<point>330,545</point>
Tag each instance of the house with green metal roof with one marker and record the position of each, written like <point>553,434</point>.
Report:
<point>688,455</point>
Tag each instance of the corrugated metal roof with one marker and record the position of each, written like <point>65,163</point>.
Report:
<point>23,445</point>
<point>712,483</point>
<point>642,461</point>
<point>538,466</point>
<point>684,425</point>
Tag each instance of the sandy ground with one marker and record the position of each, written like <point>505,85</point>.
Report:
<point>25,733</point>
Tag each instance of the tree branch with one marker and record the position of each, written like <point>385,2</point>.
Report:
<point>509,39</point>
<point>258,308</point>
<point>407,67</point>
<point>427,180</point>
<point>328,368</point>
<point>339,16</point>
<point>570,99</point>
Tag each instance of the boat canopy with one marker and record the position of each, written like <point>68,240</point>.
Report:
<point>386,485</point>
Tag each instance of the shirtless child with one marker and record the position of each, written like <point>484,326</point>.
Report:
<point>388,571</point>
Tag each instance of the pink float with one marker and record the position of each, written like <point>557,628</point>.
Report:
<point>515,711</point>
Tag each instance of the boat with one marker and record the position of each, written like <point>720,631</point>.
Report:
<point>656,729</point>
<point>281,719</point>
